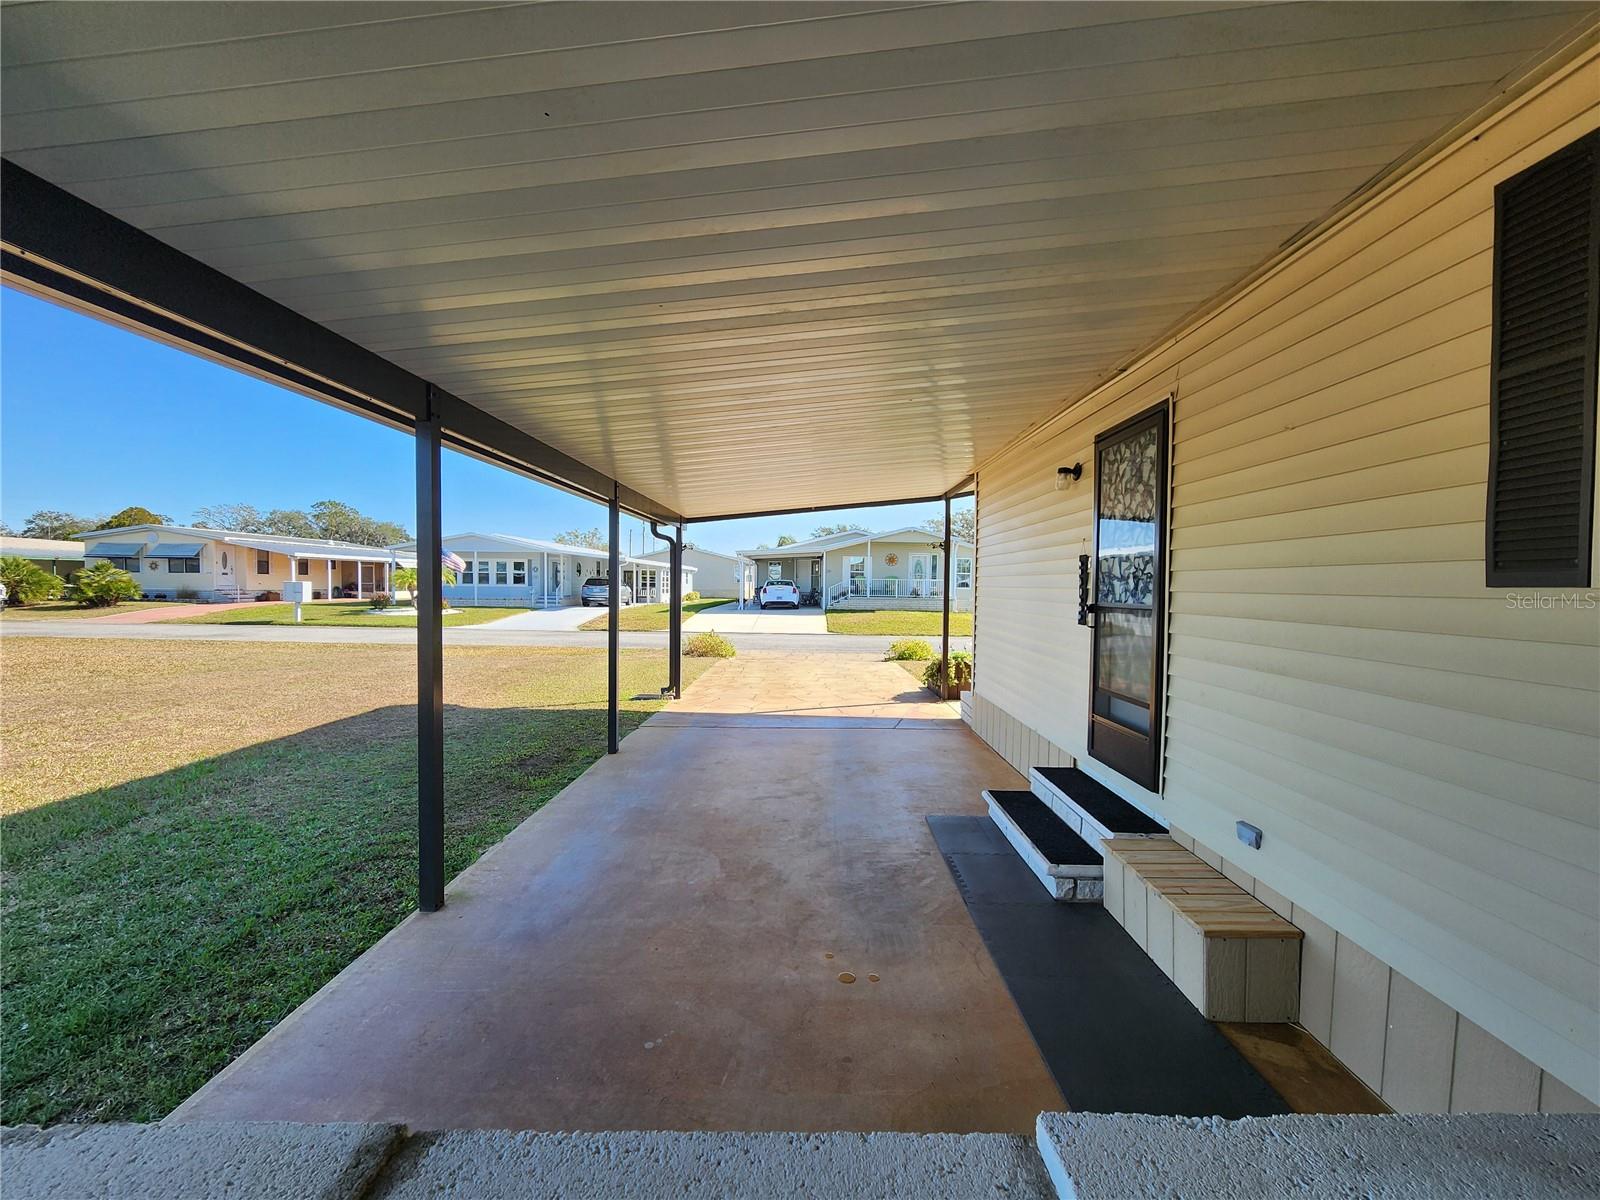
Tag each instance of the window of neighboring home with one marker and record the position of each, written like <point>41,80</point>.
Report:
<point>483,571</point>
<point>963,572</point>
<point>263,562</point>
<point>500,572</point>
<point>184,566</point>
<point>855,567</point>
<point>774,570</point>
<point>1542,372</point>
<point>519,572</point>
<point>126,564</point>
<point>303,567</point>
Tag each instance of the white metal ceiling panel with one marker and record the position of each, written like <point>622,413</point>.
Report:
<point>851,248</point>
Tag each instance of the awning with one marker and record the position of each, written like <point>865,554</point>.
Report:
<point>316,552</point>
<point>175,550</point>
<point>115,550</point>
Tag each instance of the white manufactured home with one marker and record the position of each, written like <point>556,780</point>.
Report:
<point>894,569</point>
<point>1296,618</point>
<point>509,571</point>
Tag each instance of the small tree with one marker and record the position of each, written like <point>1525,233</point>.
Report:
<point>27,582</point>
<point>102,585</point>
<point>405,579</point>
<point>785,540</point>
<point>134,515</point>
<point>589,539</point>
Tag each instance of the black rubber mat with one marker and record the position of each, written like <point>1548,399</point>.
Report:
<point>1050,835</point>
<point>1100,802</point>
<point>1115,1032</point>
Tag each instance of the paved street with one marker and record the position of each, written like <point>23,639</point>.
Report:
<point>496,634</point>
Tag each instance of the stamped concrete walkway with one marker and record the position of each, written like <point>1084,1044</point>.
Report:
<point>738,922</point>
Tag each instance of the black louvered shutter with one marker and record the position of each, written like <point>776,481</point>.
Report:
<point>1543,372</point>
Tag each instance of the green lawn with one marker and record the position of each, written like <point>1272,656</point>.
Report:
<point>642,618</point>
<point>56,610</point>
<point>336,612</point>
<point>899,624</point>
<point>195,841</point>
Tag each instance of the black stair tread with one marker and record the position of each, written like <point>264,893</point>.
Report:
<point>1052,836</point>
<point>1100,802</point>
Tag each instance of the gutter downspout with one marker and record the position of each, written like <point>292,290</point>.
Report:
<point>675,612</point>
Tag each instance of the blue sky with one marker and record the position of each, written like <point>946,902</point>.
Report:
<point>94,418</point>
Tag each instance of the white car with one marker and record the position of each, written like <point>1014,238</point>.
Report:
<point>779,591</point>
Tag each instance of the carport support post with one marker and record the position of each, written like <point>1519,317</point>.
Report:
<point>675,619</point>
<point>613,621</point>
<point>430,668</point>
<point>944,571</point>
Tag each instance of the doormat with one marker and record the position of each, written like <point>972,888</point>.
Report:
<point>1116,1033</point>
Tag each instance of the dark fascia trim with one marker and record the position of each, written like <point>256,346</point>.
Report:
<point>63,248</point>
<point>954,494</point>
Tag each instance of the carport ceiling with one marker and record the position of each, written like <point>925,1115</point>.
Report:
<point>745,255</point>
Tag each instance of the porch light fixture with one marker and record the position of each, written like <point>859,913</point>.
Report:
<point>1067,476</point>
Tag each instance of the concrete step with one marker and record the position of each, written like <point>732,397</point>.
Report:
<point>273,1161</point>
<point>1093,810</point>
<point>1067,866</point>
<point>1461,1156</point>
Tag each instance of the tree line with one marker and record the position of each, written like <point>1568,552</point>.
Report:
<point>330,519</point>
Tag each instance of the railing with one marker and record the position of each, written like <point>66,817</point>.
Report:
<point>883,587</point>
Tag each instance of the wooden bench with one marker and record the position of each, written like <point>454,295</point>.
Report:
<point>1231,955</point>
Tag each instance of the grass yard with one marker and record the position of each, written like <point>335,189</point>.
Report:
<point>336,612</point>
<point>56,610</point>
<point>195,836</point>
<point>894,623</point>
<point>643,618</point>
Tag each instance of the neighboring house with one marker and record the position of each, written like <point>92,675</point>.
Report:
<point>898,568</point>
<point>178,562</point>
<point>715,574</point>
<point>504,570</point>
<point>58,557</point>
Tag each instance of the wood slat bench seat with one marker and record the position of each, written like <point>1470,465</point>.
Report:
<point>1231,955</point>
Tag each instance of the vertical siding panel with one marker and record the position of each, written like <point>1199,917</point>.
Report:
<point>1419,1049</point>
<point>1316,975</point>
<point>1490,1076</point>
<point>1360,1011</point>
<point>1557,1097</point>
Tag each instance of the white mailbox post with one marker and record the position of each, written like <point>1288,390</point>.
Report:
<point>297,592</point>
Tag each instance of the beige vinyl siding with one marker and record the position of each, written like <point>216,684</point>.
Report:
<point>1423,755</point>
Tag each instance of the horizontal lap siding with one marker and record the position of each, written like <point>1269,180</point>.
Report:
<point>1422,755</point>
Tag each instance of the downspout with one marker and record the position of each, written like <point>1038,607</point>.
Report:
<point>675,614</point>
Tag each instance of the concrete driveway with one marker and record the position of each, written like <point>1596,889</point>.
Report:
<point>740,921</point>
<point>729,618</point>
<point>546,618</point>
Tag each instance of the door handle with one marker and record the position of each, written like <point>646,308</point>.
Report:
<point>1086,610</point>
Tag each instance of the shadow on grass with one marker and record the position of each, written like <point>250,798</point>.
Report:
<point>156,929</point>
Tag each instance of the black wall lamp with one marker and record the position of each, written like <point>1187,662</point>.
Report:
<point>1066,476</point>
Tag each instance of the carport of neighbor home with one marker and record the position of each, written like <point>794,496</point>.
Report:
<point>738,922</point>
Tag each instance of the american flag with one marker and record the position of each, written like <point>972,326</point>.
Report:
<point>454,561</point>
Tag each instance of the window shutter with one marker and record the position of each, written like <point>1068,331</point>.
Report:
<point>1543,372</point>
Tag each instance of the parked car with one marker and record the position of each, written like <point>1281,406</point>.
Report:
<point>598,591</point>
<point>779,591</point>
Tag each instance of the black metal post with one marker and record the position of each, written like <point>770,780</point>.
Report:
<point>614,625</point>
<point>675,619</point>
<point>430,668</point>
<point>947,687</point>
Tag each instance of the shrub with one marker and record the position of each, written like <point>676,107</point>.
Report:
<point>380,600</point>
<point>708,645</point>
<point>909,650</point>
<point>102,585</point>
<point>27,582</point>
<point>960,675</point>
<point>186,594</point>
<point>690,597</point>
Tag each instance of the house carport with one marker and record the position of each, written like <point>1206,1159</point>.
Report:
<point>748,258</point>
